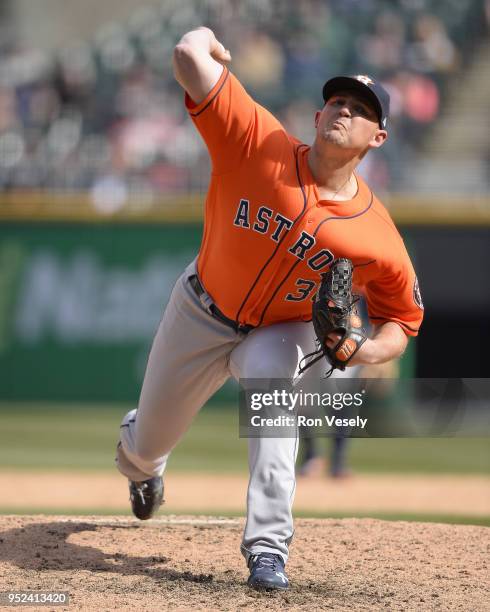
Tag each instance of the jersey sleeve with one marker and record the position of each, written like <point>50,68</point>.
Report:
<point>394,295</point>
<point>230,122</point>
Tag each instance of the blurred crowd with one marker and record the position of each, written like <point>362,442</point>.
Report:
<point>106,115</point>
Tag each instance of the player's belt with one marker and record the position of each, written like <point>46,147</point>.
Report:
<point>213,310</point>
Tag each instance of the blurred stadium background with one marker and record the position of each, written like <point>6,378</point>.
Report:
<point>102,179</point>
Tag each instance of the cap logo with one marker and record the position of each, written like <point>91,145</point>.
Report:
<point>364,79</point>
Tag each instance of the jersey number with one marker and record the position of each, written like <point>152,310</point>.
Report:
<point>305,287</point>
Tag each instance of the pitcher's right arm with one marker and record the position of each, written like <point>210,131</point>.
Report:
<point>233,126</point>
<point>198,60</point>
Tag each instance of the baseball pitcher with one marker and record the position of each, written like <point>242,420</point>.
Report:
<point>279,216</point>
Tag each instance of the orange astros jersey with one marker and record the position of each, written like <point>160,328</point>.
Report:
<point>268,237</point>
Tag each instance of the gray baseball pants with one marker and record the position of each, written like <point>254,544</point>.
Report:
<point>192,355</point>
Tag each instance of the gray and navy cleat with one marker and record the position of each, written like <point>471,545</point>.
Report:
<point>267,572</point>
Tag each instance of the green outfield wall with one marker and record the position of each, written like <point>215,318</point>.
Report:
<point>79,305</point>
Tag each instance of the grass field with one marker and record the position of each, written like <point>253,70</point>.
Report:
<point>83,437</point>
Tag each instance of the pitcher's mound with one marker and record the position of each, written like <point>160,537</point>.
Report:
<point>193,563</point>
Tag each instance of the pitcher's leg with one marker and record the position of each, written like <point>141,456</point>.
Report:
<point>188,362</point>
<point>270,495</point>
<point>271,352</point>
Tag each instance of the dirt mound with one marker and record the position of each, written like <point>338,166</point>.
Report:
<point>179,563</point>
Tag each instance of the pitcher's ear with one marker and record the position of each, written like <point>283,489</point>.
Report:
<point>378,139</point>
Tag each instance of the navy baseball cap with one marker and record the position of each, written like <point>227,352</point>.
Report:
<point>373,91</point>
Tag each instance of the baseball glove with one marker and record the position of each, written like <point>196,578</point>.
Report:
<point>334,311</point>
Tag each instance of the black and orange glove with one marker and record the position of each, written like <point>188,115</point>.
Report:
<point>335,312</point>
